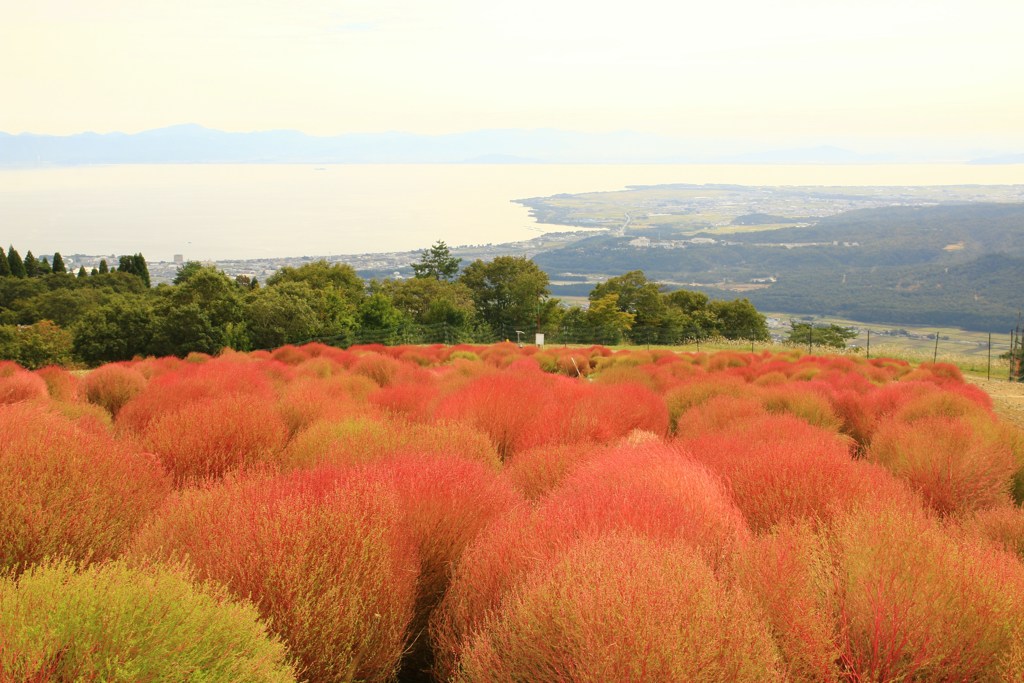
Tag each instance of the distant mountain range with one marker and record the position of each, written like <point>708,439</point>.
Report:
<point>191,143</point>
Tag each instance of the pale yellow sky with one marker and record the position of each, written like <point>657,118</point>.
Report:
<point>785,70</point>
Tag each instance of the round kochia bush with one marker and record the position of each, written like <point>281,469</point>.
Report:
<point>322,553</point>
<point>112,622</point>
<point>212,436</point>
<point>67,491</point>
<point>649,489</point>
<point>623,608</point>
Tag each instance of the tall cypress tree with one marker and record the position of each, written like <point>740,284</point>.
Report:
<point>82,272</point>
<point>104,268</point>
<point>16,264</point>
<point>44,266</point>
<point>5,267</point>
<point>58,263</point>
<point>141,268</point>
<point>31,265</point>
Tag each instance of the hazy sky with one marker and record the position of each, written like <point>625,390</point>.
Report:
<point>786,70</point>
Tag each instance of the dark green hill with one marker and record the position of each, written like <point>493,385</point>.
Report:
<point>959,265</point>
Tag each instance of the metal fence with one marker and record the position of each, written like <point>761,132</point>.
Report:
<point>997,355</point>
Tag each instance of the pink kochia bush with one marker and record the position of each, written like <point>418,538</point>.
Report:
<point>322,553</point>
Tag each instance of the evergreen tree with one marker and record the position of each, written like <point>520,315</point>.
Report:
<point>81,272</point>
<point>16,264</point>
<point>125,264</point>
<point>31,265</point>
<point>104,268</point>
<point>5,267</point>
<point>94,272</point>
<point>58,263</point>
<point>141,268</point>
<point>437,262</point>
<point>44,266</point>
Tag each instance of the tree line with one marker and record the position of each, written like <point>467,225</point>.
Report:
<point>112,314</point>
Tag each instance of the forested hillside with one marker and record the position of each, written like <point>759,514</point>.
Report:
<point>942,265</point>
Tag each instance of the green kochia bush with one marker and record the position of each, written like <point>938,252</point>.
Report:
<point>112,622</point>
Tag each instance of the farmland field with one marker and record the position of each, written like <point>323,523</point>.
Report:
<point>497,513</point>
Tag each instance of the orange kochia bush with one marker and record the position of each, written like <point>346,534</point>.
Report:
<point>67,491</point>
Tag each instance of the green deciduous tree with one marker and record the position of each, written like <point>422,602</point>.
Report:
<point>834,336</point>
<point>607,321</point>
<point>37,345</point>
<point>510,293</point>
<point>280,315</point>
<point>322,275</point>
<point>119,330</point>
<point>639,297</point>
<point>446,309</point>
<point>738,319</point>
<point>379,319</point>
<point>437,263</point>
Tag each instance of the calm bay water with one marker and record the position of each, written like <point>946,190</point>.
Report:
<point>265,211</point>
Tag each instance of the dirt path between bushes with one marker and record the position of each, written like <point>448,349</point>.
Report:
<point>1008,398</point>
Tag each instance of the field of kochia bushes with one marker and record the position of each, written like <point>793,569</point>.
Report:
<point>480,514</point>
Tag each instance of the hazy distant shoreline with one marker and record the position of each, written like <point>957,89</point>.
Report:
<point>195,144</point>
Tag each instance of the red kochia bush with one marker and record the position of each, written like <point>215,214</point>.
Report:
<point>649,489</point>
<point>517,410</point>
<point>886,593</point>
<point>189,383</point>
<point>62,385</point>
<point>65,491</point>
<point>22,385</point>
<point>446,501</point>
<point>113,385</point>
<point>621,608</point>
<point>781,468</point>
<point>956,467</point>
<point>306,400</point>
<point>538,470</point>
<point>322,554</point>
<point>607,412</point>
<point>212,436</point>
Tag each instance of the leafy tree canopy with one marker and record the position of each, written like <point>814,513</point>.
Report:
<point>835,336</point>
<point>323,275</point>
<point>510,292</point>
